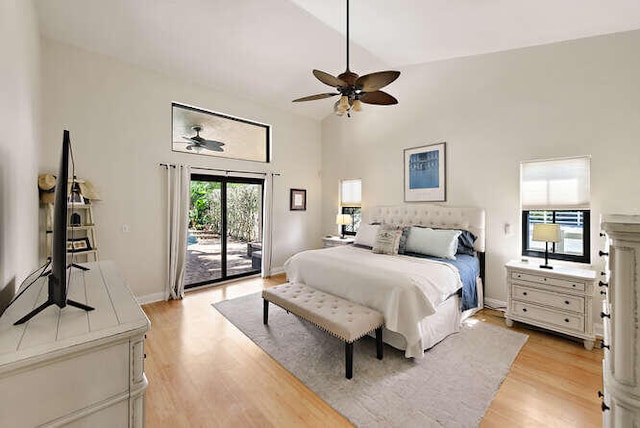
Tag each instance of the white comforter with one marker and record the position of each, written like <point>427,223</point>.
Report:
<point>404,289</point>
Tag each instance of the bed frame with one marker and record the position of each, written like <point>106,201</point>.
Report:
<point>437,217</point>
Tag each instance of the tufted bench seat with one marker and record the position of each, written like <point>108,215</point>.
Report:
<point>342,318</point>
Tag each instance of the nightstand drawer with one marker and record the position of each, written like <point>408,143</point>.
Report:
<point>548,316</point>
<point>573,285</point>
<point>560,301</point>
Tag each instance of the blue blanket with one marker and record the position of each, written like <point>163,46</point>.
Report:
<point>469,268</point>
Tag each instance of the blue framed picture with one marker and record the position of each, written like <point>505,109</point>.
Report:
<point>425,173</point>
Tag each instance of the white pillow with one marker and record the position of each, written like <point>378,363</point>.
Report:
<point>366,234</point>
<point>433,242</point>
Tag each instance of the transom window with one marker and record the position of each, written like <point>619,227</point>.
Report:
<point>557,191</point>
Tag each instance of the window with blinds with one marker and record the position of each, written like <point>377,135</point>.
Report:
<point>557,191</point>
<point>350,203</point>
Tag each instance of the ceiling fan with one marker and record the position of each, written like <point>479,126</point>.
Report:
<point>354,89</point>
<point>199,143</point>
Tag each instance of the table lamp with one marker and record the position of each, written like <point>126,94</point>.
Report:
<point>342,220</point>
<point>546,233</point>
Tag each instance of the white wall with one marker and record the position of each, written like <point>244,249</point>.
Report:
<point>495,110</point>
<point>19,107</point>
<point>119,116</point>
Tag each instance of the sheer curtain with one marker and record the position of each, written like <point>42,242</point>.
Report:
<point>267,218</point>
<point>178,183</point>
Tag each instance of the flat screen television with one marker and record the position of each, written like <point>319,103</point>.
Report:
<point>57,275</point>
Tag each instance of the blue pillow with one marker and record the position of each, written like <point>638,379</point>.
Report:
<point>465,243</point>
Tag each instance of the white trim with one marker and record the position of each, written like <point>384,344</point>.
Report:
<point>152,298</point>
<point>495,303</point>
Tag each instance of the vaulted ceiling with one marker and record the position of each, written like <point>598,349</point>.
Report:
<point>264,50</point>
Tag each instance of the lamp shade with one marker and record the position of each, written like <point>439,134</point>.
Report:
<point>343,219</point>
<point>546,232</point>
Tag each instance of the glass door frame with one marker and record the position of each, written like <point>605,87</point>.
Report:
<point>224,180</point>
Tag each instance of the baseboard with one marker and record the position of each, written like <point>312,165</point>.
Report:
<point>277,270</point>
<point>151,298</point>
<point>495,303</point>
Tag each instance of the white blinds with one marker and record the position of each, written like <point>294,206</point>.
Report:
<point>556,184</point>
<point>350,193</point>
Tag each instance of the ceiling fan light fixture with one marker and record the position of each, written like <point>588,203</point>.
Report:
<point>344,103</point>
<point>357,105</point>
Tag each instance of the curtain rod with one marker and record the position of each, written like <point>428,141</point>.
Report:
<point>167,165</point>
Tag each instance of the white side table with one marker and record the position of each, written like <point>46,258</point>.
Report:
<point>558,299</point>
<point>335,241</point>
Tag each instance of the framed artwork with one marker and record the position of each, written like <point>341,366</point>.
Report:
<point>78,244</point>
<point>425,173</point>
<point>298,200</point>
<point>198,131</point>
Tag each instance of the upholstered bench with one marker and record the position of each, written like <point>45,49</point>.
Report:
<point>342,318</point>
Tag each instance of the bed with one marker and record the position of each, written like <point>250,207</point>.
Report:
<point>421,297</point>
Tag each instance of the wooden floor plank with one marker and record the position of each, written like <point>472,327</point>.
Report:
<point>204,372</point>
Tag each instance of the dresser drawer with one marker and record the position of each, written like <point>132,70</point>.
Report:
<point>573,285</point>
<point>548,316</point>
<point>560,301</point>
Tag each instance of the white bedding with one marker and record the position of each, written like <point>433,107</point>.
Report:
<point>405,289</point>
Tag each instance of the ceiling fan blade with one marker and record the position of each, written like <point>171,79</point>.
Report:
<point>328,79</point>
<point>374,81</point>
<point>378,97</point>
<point>316,97</point>
<point>212,145</point>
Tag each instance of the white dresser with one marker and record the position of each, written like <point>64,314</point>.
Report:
<point>558,299</point>
<point>68,367</point>
<point>621,312</point>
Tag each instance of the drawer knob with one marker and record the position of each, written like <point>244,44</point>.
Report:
<point>600,394</point>
<point>603,346</point>
<point>566,302</point>
<point>566,320</point>
<point>604,407</point>
<point>602,234</point>
<point>545,279</point>
<point>603,315</point>
<point>145,356</point>
<point>602,253</point>
<point>524,309</point>
<point>524,293</point>
<point>603,284</point>
<point>604,293</point>
<point>603,273</point>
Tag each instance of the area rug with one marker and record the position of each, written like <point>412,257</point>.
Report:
<point>452,386</point>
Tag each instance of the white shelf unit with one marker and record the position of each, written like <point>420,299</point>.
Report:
<point>86,232</point>
<point>621,322</point>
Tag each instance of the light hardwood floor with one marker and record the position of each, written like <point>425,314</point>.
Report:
<point>203,372</point>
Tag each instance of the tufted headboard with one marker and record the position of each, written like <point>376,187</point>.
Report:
<point>436,216</point>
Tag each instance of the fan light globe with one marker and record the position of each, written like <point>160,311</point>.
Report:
<point>357,105</point>
<point>344,103</point>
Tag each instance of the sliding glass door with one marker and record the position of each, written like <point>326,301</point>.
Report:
<point>225,229</point>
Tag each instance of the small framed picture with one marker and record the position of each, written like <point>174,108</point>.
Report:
<point>425,173</point>
<point>78,244</point>
<point>298,200</point>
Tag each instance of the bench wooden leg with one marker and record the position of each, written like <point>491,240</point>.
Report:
<point>265,311</point>
<point>379,344</point>
<point>348,354</point>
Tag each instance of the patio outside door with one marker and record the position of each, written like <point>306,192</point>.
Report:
<point>225,229</point>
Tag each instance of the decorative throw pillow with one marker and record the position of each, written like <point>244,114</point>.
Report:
<point>387,241</point>
<point>366,235</point>
<point>433,242</point>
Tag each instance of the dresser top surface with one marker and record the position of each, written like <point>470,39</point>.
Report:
<point>562,271</point>
<point>116,312</point>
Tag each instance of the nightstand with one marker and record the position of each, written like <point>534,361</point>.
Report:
<point>558,299</point>
<point>335,241</point>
